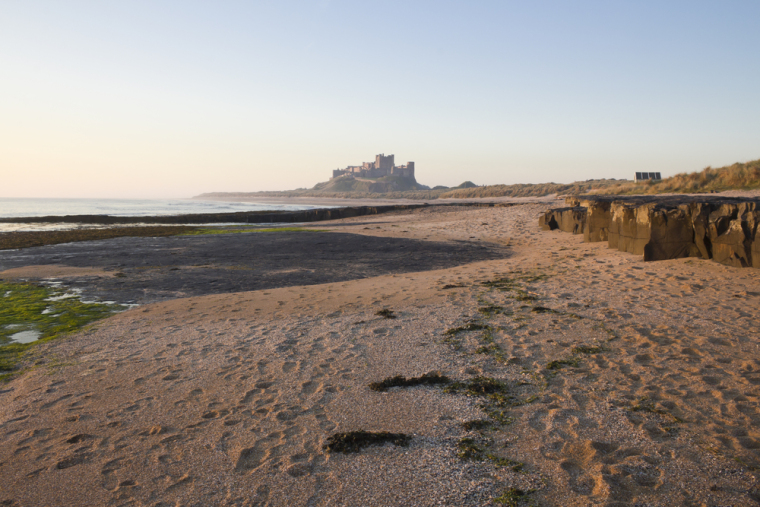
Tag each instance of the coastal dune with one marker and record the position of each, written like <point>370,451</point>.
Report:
<point>621,383</point>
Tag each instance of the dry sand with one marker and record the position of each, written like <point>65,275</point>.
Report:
<point>228,399</point>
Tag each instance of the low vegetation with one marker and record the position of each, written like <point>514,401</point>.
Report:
<point>738,176</point>
<point>530,189</point>
<point>42,312</point>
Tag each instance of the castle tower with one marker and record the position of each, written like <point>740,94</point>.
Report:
<point>384,165</point>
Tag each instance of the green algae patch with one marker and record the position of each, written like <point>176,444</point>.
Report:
<point>355,441</point>
<point>432,378</point>
<point>31,314</point>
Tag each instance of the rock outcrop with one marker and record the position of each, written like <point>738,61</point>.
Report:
<point>666,227</point>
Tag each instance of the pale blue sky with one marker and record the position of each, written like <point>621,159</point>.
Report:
<point>171,99</point>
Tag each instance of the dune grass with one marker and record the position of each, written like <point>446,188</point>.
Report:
<point>739,176</point>
<point>530,189</point>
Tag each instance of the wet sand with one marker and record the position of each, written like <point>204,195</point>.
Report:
<point>633,383</point>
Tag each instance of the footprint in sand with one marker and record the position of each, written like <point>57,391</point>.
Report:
<point>310,387</point>
<point>252,458</point>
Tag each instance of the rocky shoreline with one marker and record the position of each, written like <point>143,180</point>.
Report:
<point>240,217</point>
<point>243,217</point>
<point>723,229</point>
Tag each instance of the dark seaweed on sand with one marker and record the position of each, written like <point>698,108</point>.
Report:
<point>354,441</point>
<point>432,378</point>
<point>472,326</point>
<point>385,313</point>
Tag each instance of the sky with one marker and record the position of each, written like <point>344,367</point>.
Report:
<point>169,99</point>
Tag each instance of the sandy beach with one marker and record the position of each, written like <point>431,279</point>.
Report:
<point>621,382</point>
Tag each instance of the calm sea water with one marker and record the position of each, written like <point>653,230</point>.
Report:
<point>121,207</point>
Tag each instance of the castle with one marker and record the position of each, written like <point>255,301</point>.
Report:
<point>382,166</point>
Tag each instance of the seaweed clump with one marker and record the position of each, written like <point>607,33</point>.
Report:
<point>586,349</point>
<point>472,326</point>
<point>453,286</point>
<point>386,314</point>
<point>512,497</point>
<point>479,386</point>
<point>477,424</point>
<point>561,363</point>
<point>509,285</point>
<point>469,449</point>
<point>496,394</point>
<point>431,378</point>
<point>489,309</point>
<point>354,441</point>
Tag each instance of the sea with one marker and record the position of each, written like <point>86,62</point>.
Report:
<point>31,207</point>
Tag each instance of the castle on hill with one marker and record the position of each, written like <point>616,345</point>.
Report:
<point>382,166</point>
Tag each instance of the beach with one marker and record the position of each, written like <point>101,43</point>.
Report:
<point>613,381</point>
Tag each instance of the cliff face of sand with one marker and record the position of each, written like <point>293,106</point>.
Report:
<point>660,228</point>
